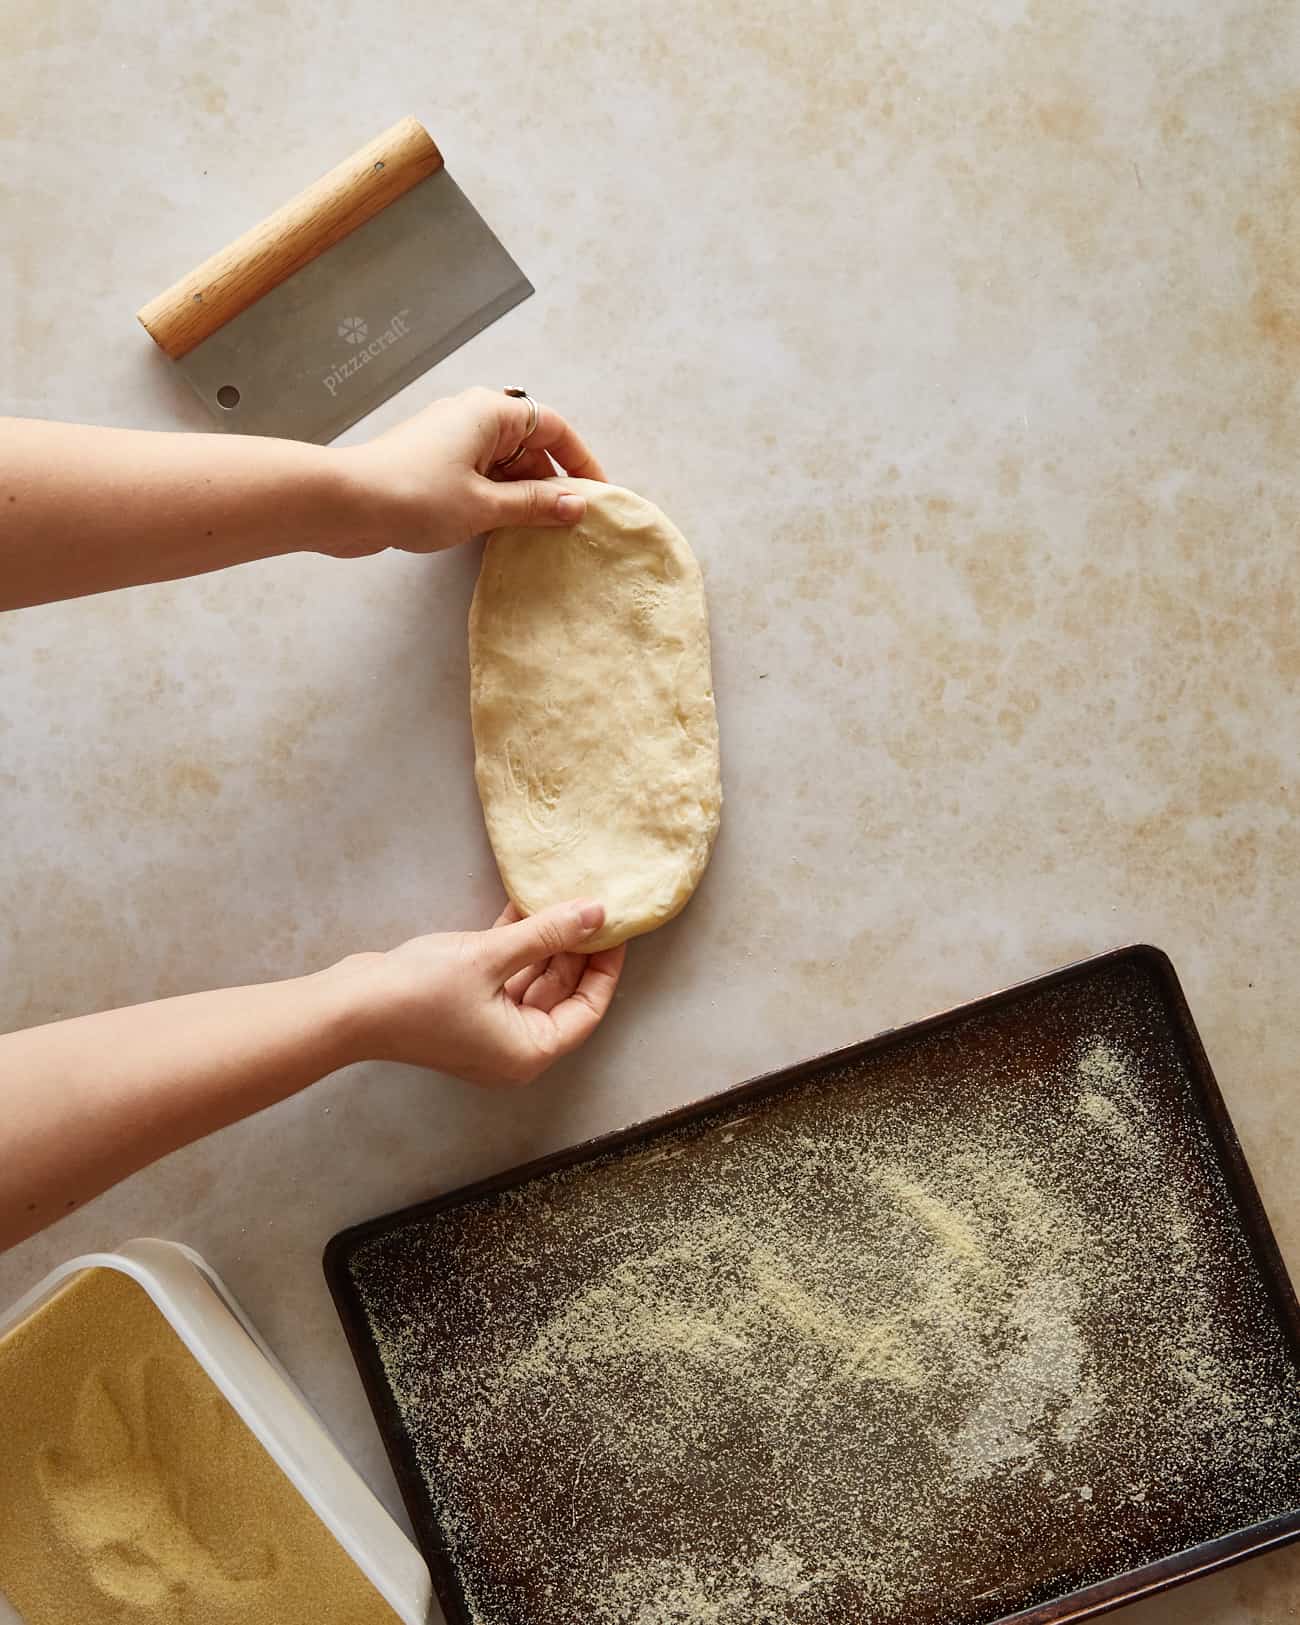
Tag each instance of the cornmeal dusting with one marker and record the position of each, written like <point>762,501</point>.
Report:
<point>930,1337</point>
<point>131,1493</point>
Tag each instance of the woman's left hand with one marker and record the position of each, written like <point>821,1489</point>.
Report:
<point>432,482</point>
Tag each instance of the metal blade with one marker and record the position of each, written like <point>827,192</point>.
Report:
<point>362,320</point>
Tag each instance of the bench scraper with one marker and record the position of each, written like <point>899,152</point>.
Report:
<point>339,299</point>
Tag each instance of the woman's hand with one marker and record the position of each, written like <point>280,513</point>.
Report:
<point>85,510</point>
<point>430,479</point>
<point>88,1101</point>
<point>494,1006</point>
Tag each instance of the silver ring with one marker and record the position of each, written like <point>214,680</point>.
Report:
<point>522,447</point>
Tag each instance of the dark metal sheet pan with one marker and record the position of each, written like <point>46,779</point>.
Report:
<point>979,1320</point>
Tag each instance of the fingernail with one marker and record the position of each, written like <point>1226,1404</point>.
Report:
<point>570,507</point>
<point>591,915</point>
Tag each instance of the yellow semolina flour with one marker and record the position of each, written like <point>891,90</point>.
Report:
<point>132,1493</point>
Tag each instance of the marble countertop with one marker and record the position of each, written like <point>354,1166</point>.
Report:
<point>963,345</point>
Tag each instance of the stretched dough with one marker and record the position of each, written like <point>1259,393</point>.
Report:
<point>591,695</point>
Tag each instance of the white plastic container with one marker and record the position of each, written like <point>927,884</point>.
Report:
<point>199,1308</point>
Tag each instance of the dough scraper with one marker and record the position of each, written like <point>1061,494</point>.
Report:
<point>340,298</point>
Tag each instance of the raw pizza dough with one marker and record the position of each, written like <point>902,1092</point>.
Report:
<point>595,734</point>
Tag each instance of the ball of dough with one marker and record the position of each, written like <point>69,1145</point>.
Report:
<point>591,695</point>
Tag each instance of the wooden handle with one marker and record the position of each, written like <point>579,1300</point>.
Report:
<point>292,237</point>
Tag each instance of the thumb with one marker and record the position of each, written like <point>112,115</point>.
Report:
<point>534,502</point>
<point>563,928</point>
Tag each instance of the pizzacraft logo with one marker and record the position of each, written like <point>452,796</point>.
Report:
<point>355,330</point>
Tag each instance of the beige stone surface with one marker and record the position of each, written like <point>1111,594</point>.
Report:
<point>962,342</point>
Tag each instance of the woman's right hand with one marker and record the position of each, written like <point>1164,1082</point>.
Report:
<point>497,1006</point>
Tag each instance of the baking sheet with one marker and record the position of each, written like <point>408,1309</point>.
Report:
<point>978,1320</point>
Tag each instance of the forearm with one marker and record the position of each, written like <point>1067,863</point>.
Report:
<point>83,509</point>
<point>84,1103</point>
